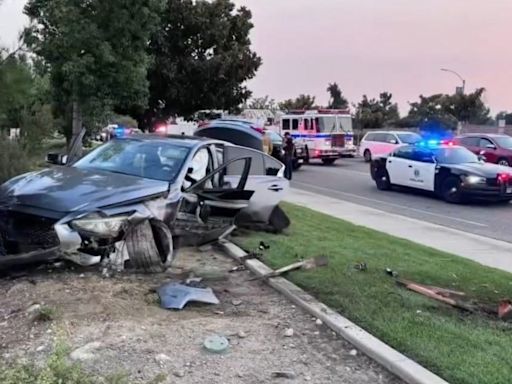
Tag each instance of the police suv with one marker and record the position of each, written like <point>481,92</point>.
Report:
<point>450,171</point>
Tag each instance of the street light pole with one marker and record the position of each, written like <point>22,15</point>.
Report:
<point>459,76</point>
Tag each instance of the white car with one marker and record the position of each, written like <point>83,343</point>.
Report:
<point>381,143</point>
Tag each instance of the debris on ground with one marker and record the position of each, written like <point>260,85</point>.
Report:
<point>238,268</point>
<point>263,246</point>
<point>236,302</point>
<point>283,375</point>
<point>353,352</point>
<point>458,299</point>
<point>241,334</point>
<point>86,352</point>
<point>363,267</point>
<point>289,332</point>
<point>177,295</point>
<point>391,273</point>
<point>216,344</point>
<point>319,322</point>
<point>308,264</point>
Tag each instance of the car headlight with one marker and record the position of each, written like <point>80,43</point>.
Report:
<point>102,226</point>
<point>475,180</point>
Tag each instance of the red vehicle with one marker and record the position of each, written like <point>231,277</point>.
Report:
<point>494,148</point>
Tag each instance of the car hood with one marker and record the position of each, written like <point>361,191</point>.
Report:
<point>486,170</point>
<point>68,189</point>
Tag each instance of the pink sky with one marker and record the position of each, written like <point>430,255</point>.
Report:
<point>369,46</point>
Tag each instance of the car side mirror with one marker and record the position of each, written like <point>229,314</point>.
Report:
<point>490,146</point>
<point>56,159</point>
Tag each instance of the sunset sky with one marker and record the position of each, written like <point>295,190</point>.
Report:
<point>369,46</point>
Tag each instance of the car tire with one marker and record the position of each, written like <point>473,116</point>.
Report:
<point>367,155</point>
<point>150,246</point>
<point>328,161</point>
<point>504,162</point>
<point>382,181</point>
<point>450,190</point>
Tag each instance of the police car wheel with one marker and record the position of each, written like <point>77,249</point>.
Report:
<point>367,156</point>
<point>382,181</point>
<point>450,190</point>
<point>503,162</point>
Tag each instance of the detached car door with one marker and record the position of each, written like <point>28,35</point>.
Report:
<point>266,179</point>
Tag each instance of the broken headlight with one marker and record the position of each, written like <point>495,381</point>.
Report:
<point>105,226</point>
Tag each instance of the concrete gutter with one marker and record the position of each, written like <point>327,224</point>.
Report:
<point>403,367</point>
<point>484,250</point>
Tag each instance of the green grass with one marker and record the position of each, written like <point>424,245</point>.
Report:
<point>462,348</point>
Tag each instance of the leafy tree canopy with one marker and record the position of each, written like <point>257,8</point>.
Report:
<point>301,102</point>
<point>337,100</point>
<point>373,113</point>
<point>202,58</point>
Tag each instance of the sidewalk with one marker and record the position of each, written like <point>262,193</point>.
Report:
<point>486,251</point>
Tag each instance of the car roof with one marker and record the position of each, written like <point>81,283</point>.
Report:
<point>182,140</point>
<point>393,132</point>
<point>483,134</point>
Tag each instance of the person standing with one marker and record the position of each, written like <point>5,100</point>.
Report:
<point>289,150</point>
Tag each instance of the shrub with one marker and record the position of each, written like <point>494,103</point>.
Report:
<point>13,159</point>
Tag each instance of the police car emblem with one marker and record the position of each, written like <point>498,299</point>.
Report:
<point>416,173</point>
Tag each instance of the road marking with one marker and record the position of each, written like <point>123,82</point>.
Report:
<point>393,204</point>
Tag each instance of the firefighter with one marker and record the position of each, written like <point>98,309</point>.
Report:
<point>289,150</point>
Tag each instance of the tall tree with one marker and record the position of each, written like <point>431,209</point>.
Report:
<point>504,115</point>
<point>301,102</point>
<point>95,52</point>
<point>372,113</point>
<point>202,58</point>
<point>337,100</point>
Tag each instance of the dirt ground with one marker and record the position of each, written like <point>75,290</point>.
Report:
<point>118,327</point>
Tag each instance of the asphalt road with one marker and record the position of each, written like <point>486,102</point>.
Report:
<point>349,179</point>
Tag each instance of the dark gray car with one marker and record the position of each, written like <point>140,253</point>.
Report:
<point>130,199</point>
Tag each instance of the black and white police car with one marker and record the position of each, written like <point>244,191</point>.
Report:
<point>450,171</point>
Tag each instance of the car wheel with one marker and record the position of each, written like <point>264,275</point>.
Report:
<point>504,162</point>
<point>450,190</point>
<point>367,155</point>
<point>382,181</point>
<point>328,161</point>
<point>150,246</point>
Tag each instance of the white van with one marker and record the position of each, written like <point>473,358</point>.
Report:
<point>379,143</point>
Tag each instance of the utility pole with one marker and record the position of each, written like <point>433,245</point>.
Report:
<point>463,88</point>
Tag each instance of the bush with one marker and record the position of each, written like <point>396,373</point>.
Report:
<point>13,160</point>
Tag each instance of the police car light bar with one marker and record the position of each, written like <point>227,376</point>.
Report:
<point>434,143</point>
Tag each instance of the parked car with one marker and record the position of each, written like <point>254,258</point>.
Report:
<point>381,143</point>
<point>495,149</point>
<point>136,198</point>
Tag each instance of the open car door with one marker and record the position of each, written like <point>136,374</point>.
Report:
<point>265,179</point>
<point>211,204</point>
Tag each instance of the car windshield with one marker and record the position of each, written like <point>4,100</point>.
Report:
<point>454,155</point>
<point>156,160</point>
<point>409,138</point>
<point>275,137</point>
<point>504,141</point>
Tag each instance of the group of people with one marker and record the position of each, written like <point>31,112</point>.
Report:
<point>288,148</point>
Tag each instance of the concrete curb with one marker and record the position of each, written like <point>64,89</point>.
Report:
<point>392,360</point>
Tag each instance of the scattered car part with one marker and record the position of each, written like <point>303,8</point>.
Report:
<point>216,344</point>
<point>319,261</point>
<point>505,309</point>
<point>263,246</point>
<point>176,295</point>
<point>363,267</point>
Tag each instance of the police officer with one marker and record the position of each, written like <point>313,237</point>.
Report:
<point>289,150</point>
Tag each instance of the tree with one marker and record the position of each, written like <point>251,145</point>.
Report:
<point>16,85</point>
<point>448,110</point>
<point>504,115</point>
<point>301,102</point>
<point>337,100</point>
<point>202,58</point>
<point>372,113</point>
<point>262,103</point>
<point>95,53</point>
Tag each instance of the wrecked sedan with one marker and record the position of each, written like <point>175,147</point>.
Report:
<point>134,199</point>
